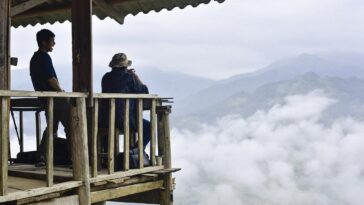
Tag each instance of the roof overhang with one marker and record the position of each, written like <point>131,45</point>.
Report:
<point>32,12</point>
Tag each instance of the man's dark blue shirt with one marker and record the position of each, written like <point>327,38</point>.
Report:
<point>41,69</point>
<point>120,80</point>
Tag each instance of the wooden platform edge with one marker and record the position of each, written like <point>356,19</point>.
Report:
<point>122,174</point>
<point>109,194</point>
<point>40,191</point>
<point>166,171</point>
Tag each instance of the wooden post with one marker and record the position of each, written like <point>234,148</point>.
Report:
<point>160,134</point>
<point>95,120</point>
<point>111,139</point>
<point>81,14</point>
<point>49,144</point>
<point>38,128</point>
<point>5,44</point>
<point>4,145</point>
<point>153,119</point>
<point>126,135</point>
<point>163,115</point>
<point>140,133</point>
<point>21,130</point>
<point>80,160</point>
<point>4,85</point>
<point>82,45</point>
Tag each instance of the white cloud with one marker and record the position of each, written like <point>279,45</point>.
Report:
<point>282,156</point>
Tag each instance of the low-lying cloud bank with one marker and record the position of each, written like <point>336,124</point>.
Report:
<point>283,156</point>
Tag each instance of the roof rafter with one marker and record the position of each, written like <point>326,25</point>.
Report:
<point>20,8</point>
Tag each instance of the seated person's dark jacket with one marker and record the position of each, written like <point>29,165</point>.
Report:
<point>119,80</point>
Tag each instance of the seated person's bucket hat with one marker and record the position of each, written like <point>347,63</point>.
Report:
<point>119,60</point>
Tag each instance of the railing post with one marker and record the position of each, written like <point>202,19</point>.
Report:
<point>95,120</point>
<point>126,135</point>
<point>153,119</point>
<point>80,158</point>
<point>49,144</point>
<point>140,133</point>
<point>4,145</point>
<point>164,134</point>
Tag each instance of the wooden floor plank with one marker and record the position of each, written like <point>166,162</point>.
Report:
<point>40,191</point>
<point>24,183</point>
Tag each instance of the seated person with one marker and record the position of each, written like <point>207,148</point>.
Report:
<point>121,79</point>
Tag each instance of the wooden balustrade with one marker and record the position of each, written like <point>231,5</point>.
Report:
<point>4,130</point>
<point>81,173</point>
<point>113,134</point>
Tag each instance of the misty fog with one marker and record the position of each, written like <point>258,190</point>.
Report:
<point>282,156</point>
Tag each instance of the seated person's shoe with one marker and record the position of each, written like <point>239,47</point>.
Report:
<point>40,161</point>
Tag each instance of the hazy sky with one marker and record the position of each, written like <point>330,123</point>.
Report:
<point>215,40</point>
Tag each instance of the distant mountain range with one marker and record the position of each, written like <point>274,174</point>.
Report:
<point>347,91</point>
<point>199,100</point>
<point>287,69</point>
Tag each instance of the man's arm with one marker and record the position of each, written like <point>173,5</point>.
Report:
<point>53,82</point>
<point>138,85</point>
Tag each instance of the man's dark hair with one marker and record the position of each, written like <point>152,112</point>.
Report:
<point>44,35</point>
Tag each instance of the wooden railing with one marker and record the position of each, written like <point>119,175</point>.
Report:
<point>159,134</point>
<point>78,122</point>
<point>152,100</point>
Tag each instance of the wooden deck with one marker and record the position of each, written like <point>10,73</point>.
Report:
<point>27,184</point>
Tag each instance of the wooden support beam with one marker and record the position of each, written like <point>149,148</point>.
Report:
<point>140,133</point>
<point>49,149</point>
<point>126,136</point>
<point>80,160</point>
<point>25,6</point>
<point>163,115</point>
<point>110,10</point>
<point>81,13</point>
<point>111,137</point>
<point>105,195</point>
<point>5,44</point>
<point>148,197</point>
<point>4,145</point>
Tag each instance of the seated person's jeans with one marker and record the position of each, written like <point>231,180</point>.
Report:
<point>146,133</point>
<point>146,136</point>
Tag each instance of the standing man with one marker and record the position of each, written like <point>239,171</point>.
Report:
<point>44,78</point>
<point>121,79</point>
